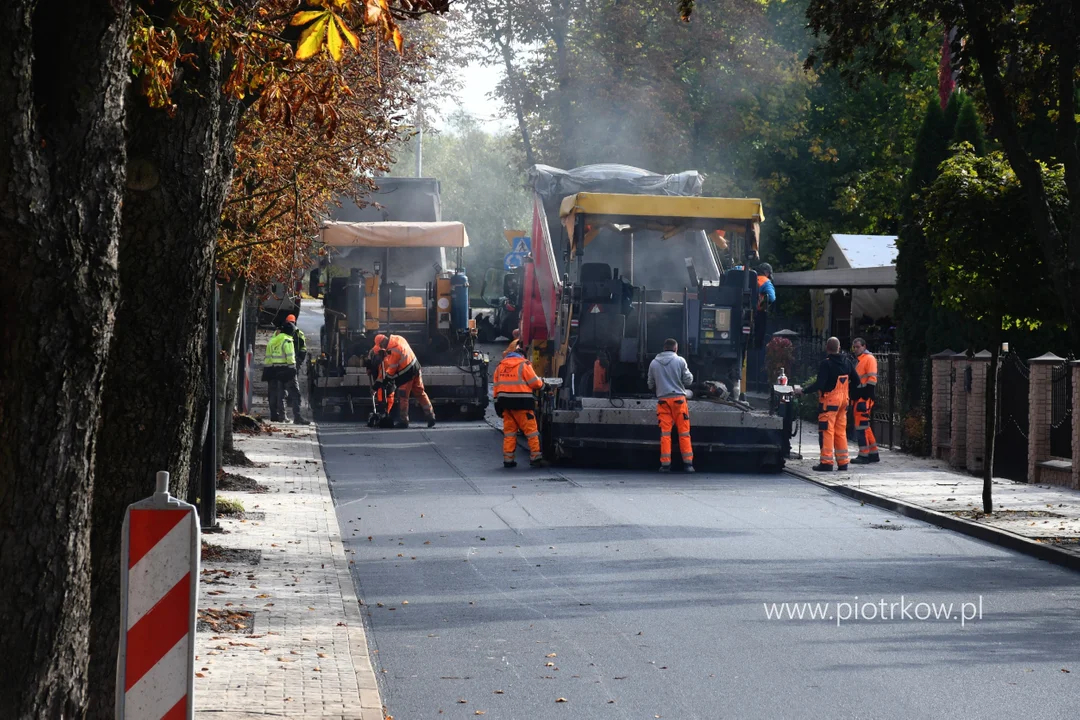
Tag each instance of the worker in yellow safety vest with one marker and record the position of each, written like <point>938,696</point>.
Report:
<point>279,372</point>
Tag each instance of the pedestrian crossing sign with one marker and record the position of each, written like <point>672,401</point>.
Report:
<point>594,309</point>
<point>522,246</point>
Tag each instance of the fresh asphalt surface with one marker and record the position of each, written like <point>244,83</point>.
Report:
<point>648,591</point>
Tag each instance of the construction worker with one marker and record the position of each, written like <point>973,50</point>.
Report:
<point>398,364</point>
<point>668,378</point>
<point>279,372</point>
<point>766,290</point>
<point>299,342</point>
<point>836,375</point>
<point>515,381</point>
<point>862,396</point>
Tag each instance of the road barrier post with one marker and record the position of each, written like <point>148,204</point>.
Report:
<point>159,585</point>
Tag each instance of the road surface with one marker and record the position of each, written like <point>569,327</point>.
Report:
<point>634,595</point>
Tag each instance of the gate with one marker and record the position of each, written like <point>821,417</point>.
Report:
<point>1011,440</point>
<point>1061,412</point>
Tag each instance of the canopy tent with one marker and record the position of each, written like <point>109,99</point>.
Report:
<point>846,278</point>
<point>394,234</point>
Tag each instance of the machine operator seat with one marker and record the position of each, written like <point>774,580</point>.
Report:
<point>603,322</point>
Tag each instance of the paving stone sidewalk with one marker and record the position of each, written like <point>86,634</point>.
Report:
<point>303,652</point>
<point>1043,513</point>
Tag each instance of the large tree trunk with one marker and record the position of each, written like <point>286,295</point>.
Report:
<point>150,416</point>
<point>63,71</point>
<point>230,315</point>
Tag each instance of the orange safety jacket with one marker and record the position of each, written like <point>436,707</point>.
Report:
<point>866,368</point>
<point>514,383</point>
<point>400,362</point>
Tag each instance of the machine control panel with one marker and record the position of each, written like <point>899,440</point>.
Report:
<point>715,323</point>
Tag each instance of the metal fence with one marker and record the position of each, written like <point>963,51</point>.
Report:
<point>1061,412</point>
<point>1011,439</point>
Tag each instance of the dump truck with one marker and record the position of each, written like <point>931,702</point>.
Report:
<point>623,259</point>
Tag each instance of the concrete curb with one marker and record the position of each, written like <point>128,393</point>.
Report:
<point>979,531</point>
<point>371,705</point>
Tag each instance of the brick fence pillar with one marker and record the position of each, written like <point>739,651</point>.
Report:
<point>1076,424</point>
<point>976,412</point>
<point>958,433</point>
<point>941,376</point>
<point>1039,412</point>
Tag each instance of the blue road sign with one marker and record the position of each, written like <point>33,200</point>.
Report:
<point>512,260</point>
<point>522,245</point>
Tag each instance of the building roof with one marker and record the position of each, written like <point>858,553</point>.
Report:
<point>867,251</point>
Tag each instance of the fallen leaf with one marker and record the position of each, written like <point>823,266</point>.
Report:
<point>462,702</point>
<point>199,675</point>
<point>560,700</point>
<point>549,664</point>
<point>479,712</point>
<point>322,655</point>
<point>499,692</point>
<point>550,655</point>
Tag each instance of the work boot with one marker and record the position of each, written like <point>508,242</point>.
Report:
<point>842,468</point>
<point>689,469</point>
<point>511,464</point>
<point>862,460</point>
<point>537,462</point>
<point>402,425</point>
<point>665,468</point>
<point>822,467</point>
<point>299,420</point>
<point>875,458</point>
<point>431,421</point>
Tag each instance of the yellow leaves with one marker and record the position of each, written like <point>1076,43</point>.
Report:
<point>324,26</point>
<point>311,40</point>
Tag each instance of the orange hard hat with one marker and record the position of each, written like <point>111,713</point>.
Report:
<point>290,318</point>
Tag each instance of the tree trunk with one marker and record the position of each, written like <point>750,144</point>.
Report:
<point>990,428</point>
<point>64,66</point>
<point>230,315</point>
<point>151,405</point>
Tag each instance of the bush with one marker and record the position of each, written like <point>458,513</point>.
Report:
<point>808,404</point>
<point>914,433</point>
<point>779,353</point>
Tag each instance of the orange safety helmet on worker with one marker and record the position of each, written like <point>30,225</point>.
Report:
<point>399,364</point>
<point>514,383</point>
<point>862,396</point>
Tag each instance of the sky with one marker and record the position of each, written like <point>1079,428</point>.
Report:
<point>478,83</point>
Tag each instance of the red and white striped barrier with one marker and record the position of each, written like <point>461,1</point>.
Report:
<point>159,592</point>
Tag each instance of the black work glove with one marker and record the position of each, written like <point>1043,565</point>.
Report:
<point>498,408</point>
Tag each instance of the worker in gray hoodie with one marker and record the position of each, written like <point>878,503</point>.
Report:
<point>668,377</point>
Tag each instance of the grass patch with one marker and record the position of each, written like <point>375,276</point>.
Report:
<point>229,507</point>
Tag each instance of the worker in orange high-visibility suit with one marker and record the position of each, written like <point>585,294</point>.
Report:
<point>835,376</point>
<point>862,396</point>
<point>398,364</point>
<point>515,381</point>
<point>668,378</point>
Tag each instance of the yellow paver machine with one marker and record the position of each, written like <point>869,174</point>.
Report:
<point>613,274</point>
<point>402,281</point>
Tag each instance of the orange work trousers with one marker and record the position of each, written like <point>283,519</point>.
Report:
<point>413,389</point>
<point>832,432</point>
<point>673,411</point>
<point>863,432</point>
<point>525,421</point>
